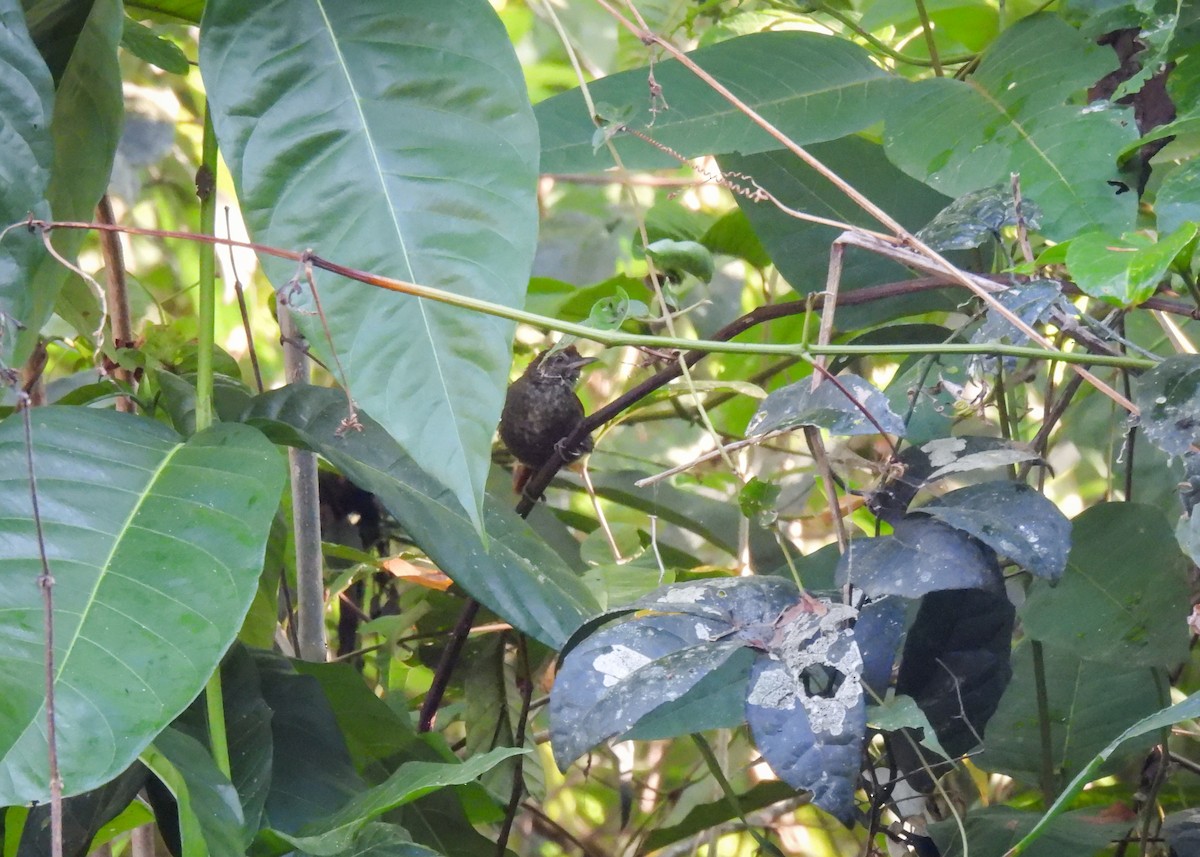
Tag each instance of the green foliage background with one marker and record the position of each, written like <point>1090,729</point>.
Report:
<point>451,145</point>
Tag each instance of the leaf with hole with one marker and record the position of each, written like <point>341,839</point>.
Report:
<point>806,711</point>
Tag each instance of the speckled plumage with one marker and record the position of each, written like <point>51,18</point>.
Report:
<point>541,408</point>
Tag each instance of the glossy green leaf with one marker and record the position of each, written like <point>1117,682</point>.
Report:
<point>311,771</point>
<point>812,87</point>
<point>372,729</point>
<point>89,95</point>
<point>145,44</point>
<point>682,257</point>
<point>800,250</point>
<point>1124,596</point>
<point>210,816</point>
<point>1178,198</point>
<point>1125,271</point>
<point>517,574</point>
<point>335,832</point>
<point>248,729</point>
<point>26,101</point>
<point>1013,116</point>
<point>1188,709</point>
<point>992,830</point>
<point>368,132</point>
<point>1089,703</point>
<point>156,545</point>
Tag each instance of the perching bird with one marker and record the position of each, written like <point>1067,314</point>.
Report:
<point>541,409</point>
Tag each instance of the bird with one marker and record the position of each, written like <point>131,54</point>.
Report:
<point>541,410</point>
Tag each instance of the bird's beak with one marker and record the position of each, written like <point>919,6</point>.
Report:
<point>579,362</point>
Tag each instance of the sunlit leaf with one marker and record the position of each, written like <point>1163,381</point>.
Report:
<point>366,132</point>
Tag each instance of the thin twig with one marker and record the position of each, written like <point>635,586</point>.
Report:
<point>445,667</point>
<point>241,299</point>
<point>525,682</point>
<point>932,259</point>
<point>117,293</point>
<point>45,583</point>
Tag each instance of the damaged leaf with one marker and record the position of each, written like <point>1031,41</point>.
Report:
<point>806,711</point>
<point>828,407</point>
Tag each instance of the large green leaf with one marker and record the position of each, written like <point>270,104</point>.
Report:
<point>210,816</point>
<point>155,545</point>
<point>517,574</point>
<point>26,95</point>
<point>1124,596</point>
<point>1187,709</point>
<point>89,112</point>
<point>812,87</point>
<point>800,250</point>
<point>335,832</point>
<point>311,771</point>
<point>55,26</point>
<point>1011,116</point>
<point>395,138</point>
<point>1179,196</point>
<point>1089,704</point>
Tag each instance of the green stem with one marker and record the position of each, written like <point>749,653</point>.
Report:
<point>214,703</point>
<point>214,697</point>
<point>927,29</point>
<point>617,337</point>
<point>886,49</point>
<point>206,188</point>
<point>1049,780</point>
<point>714,768</point>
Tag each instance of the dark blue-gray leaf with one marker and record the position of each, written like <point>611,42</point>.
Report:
<point>1169,397</point>
<point>717,701</point>
<point>921,465</point>
<point>1011,518</point>
<point>747,607</point>
<point>878,631</point>
<point>840,407</point>
<point>976,216</point>
<point>921,556</point>
<point>610,681</point>
<point>1030,303</point>
<point>806,710</point>
<point>956,665</point>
